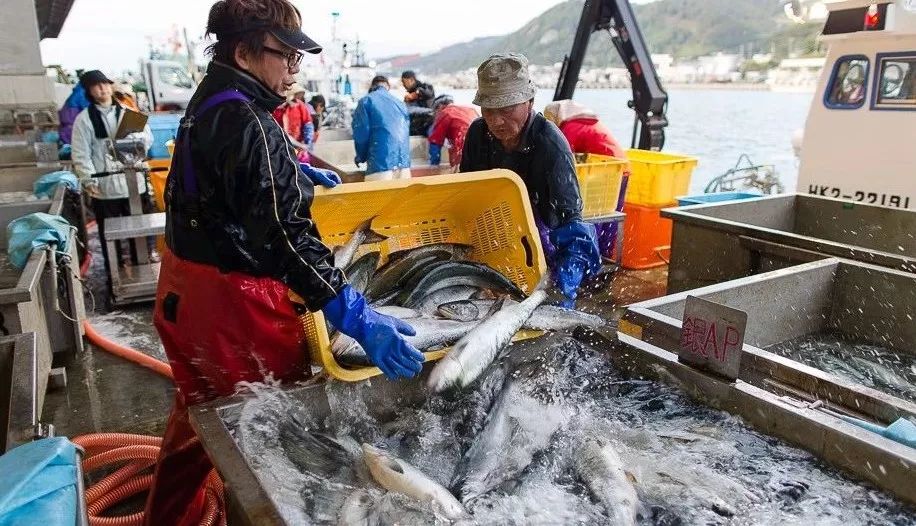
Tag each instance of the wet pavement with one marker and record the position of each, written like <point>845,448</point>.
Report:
<point>105,393</point>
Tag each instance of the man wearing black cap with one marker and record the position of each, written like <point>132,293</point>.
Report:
<point>91,154</point>
<point>418,93</point>
<point>240,238</point>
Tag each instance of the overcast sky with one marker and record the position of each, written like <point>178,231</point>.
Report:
<point>114,35</point>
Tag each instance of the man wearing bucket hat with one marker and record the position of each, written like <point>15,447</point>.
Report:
<point>240,238</point>
<point>511,135</point>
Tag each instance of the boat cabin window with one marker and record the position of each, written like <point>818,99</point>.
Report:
<point>895,86</point>
<point>175,77</point>
<point>846,89</point>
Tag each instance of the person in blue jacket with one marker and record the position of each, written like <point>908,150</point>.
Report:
<point>381,134</point>
<point>511,135</point>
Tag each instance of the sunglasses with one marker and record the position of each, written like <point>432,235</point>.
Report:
<point>293,58</point>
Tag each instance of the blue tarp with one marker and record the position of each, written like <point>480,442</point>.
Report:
<point>38,484</point>
<point>45,185</point>
<point>902,431</point>
<point>35,231</point>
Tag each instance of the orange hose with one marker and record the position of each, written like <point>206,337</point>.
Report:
<point>114,480</point>
<point>211,511</point>
<point>126,352</point>
<point>121,454</point>
<point>115,439</point>
<point>131,488</point>
<point>139,452</point>
<point>134,519</point>
<point>215,490</point>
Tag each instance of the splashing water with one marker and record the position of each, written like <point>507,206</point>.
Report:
<point>691,464</point>
<point>892,372</point>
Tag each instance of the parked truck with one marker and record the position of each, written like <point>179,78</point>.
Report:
<point>169,86</point>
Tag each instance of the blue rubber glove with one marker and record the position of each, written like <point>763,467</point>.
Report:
<point>320,176</point>
<point>435,154</point>
<point>577,256</point>
<point>382,337</point>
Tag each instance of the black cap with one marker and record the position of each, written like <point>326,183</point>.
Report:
<point>91,78</point>
<point>409,74</point>
<point>293,38</point>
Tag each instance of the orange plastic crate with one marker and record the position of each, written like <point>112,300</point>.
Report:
<point>646,237</point>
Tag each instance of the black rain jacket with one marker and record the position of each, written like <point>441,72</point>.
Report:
<point>251,214</point>
<point>543,160</point>
<point>425,94</point>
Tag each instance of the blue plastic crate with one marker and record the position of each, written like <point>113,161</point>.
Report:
<point>717,197</point>
<point>164,127</point>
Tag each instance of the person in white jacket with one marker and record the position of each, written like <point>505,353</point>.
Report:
<point>92,130</point>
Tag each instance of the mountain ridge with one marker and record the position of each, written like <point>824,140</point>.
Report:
<point>682,28</point>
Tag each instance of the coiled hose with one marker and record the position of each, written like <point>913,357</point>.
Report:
<point>136,454</point>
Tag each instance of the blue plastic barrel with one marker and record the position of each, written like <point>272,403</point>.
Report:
<point>714,198</point>
<point>164,127</point>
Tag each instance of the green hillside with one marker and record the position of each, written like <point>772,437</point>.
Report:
<point>683,28</point>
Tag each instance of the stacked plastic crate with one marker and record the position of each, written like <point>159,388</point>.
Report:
<point>656,179</point>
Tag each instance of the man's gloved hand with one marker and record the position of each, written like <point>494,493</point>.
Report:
<point>321,176</point>
<point>577,256</point>
<point>382,337</point>
<point>357,161</point>
<point>569,276</point>
<point>435,154</point>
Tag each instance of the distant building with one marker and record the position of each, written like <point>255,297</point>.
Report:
<point>796,75</point>
<point>721,67</point>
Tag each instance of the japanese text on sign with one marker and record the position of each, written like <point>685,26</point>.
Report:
<point>712,336</point>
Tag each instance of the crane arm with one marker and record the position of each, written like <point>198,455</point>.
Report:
<point>650,100</point>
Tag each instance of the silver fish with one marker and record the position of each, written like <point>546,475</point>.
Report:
<point>398,476</point>
<point>361,271</point>
<point>544,318</point>
<point>453,273</point>
<point>403,265</point>
<point>520,425</point>
<point>429,305</point>
<point>348,351</point>
<point>456,251</point>
<point>357,509</point>
<point>600,467</point>
<point>477,350</point>
<point>315,453</point>
<point>431,334</point>
<point>344,254</point>
<point>475,406</point>
<point>401,313</point>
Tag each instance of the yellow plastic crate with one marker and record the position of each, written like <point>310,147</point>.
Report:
<point>656,178</point>
<point>488,210</point>
<point>600,177</point>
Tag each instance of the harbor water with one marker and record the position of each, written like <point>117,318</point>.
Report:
<point>716,126</point>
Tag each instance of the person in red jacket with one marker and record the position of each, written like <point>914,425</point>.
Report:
<point>586,134</point>
<point>451,123</point>
<point>293,115</point>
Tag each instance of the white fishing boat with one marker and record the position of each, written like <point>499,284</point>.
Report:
<point>857,142</point>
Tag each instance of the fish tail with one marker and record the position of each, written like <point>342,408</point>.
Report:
<point>371,235</point>
<point>543,283</point>
<point>444,374</point>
